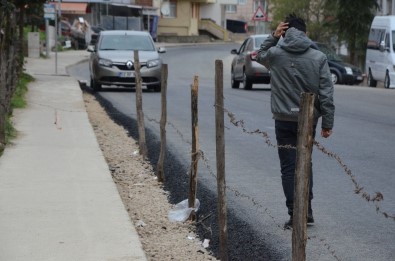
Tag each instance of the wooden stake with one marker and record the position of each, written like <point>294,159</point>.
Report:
<point>163,120</point>
<point>139,106</point>
<point>220,152</point>
<point>302,176</point>
<point>195,147</point>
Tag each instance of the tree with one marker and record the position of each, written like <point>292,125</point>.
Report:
<point>312,11</point>
<point>7,44</point>
<point>345,21</point>
<point>12,23</point>
<point>31,7</point>
<point>351,21</point>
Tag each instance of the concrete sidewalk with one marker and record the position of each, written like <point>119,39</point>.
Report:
<point>57,198</point>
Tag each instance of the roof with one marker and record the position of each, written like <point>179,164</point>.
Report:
<point>259,35</point>
<point>72,8</point>
<point>123,32</point>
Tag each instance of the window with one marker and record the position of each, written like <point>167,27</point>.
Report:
<point>169,9</point>
<point>387,41</point>
<point>376,36</point>
<point>243,46</point>
<point>230,9</point>
<point>259,41</point>
<point>126,42</point>
<point>242,2</point>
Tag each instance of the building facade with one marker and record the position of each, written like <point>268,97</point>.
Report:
<point>387,7</point>
<point>170,17</point>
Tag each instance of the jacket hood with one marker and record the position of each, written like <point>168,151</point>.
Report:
<point>295,41</point>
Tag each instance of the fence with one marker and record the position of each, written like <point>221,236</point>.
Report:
<point>11,61</point>
<point>300,237</point>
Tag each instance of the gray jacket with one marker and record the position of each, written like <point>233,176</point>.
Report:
<point>295,68</point>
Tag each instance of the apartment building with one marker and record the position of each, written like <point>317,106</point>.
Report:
<point>387,7</point>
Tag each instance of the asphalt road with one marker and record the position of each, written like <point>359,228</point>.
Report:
<point>347,226</point>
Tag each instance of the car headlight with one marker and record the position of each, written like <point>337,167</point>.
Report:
<point>105,62</point>
<point>348,70</point>
<point>152,63</point>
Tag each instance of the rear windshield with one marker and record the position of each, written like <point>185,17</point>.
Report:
<point>126,42</point>
<point>259,41</point>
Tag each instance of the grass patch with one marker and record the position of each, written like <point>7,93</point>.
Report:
<point>18,101</point>
<point>9,130</point>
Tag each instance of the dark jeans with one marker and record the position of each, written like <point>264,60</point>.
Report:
<point>286,134</point>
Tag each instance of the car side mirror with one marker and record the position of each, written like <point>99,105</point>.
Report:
<point>382,46</point>
<point>91,48</point>
<point>233,51</point>
<point>161,50</point>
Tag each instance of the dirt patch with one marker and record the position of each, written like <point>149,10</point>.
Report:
<point>143,196</point>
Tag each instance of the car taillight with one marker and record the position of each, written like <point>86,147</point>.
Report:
<point>253,55</point>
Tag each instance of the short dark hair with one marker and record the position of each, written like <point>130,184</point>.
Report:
<point>294,21</point>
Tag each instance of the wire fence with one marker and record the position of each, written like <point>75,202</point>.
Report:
<point>240,124</point>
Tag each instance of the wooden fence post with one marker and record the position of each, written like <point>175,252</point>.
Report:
<point>302,176</point>
<point>220,153</point>
<point>163,120</point>
<point>195,147</point>
<point>139,106</point>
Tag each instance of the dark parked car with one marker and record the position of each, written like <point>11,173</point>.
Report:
<point>236,26</point>
<point>244,67</point>
<point>65,27</point>
<point>112,60</point>
<point>342,72</point>
<point>95,34</point>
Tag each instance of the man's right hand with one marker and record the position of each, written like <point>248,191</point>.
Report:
<point>280,30</point>
<point>326,132</point>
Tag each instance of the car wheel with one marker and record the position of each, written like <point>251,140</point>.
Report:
<point>371,82</point>
<point>246,82</point>
<point>95,85</point>
<point>387,80</point>
<point>335,78</point>
<point>234,82</point>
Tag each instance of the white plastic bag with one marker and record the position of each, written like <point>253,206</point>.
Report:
<point>181,211</point>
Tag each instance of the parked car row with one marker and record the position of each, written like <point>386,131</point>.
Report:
<point>245,69</point>
<point>112,61</point>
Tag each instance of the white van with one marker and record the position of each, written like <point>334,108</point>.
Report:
<point>380,52</point>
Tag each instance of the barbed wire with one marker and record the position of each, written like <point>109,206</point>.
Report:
<point>259,207</point>
<point>376,198</point>
<point>201,156</point>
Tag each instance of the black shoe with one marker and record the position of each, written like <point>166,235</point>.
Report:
<point>310,218</point>
<point>288,224</point>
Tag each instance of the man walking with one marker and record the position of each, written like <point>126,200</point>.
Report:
<point>295,68</point>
